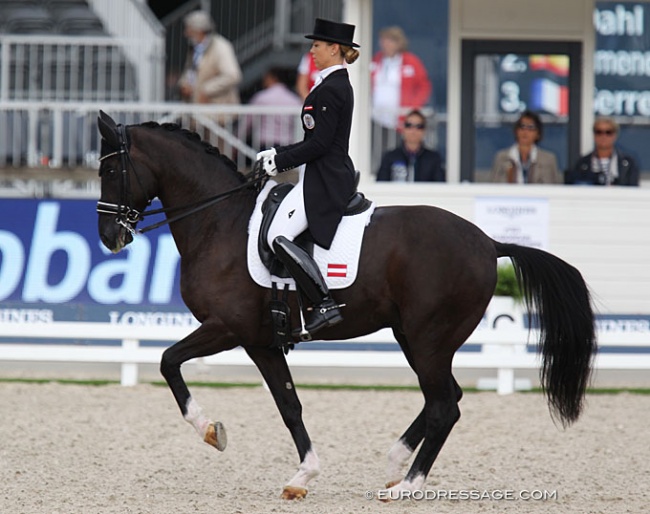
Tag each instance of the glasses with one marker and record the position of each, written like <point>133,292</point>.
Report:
<point>600,132</point>
<point>526,126</point>
<point>419,126</point>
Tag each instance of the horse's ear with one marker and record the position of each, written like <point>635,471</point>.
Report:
<point>108,129</point>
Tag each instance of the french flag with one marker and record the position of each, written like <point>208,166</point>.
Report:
<point>337,270</point>
<point>547,95</point>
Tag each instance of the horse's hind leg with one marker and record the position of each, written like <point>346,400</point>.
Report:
<point>440,415</point>
<point>274,369</point>
<point>200,343</point>
<point>401,451</point>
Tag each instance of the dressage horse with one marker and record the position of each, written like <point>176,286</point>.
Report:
<point>424,272</point>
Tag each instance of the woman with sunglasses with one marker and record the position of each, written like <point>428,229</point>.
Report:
<point>605,165</point>
<point>525,162</point>
<point>412,161</point>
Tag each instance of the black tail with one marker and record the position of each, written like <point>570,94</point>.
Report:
<point>555,292</point>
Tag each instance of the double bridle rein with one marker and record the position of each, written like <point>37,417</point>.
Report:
<point>127,216</point>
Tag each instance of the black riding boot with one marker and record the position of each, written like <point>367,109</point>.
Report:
<point>309,279</point>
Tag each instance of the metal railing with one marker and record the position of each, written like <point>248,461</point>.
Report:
<point>66,68</point>
<point>64,135</point>
<point>142,38</point>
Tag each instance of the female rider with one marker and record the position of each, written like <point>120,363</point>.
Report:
<point>327,181</point>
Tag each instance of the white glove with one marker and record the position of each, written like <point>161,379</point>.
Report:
<point>265,153</point>
<point>268,165</point>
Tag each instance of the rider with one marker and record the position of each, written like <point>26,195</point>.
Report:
<point>327,181</point>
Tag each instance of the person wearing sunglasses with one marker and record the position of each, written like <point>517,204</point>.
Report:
<point>412,161</point>
<point>605,165</point>
<point>525,162</point>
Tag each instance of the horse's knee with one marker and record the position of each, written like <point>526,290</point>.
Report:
<point>168,364</point>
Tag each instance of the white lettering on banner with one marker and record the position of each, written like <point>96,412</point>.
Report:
<point>167,319</point>
<point>114,280</point>
<point>622,63</point>
<point>12,261</point>
<point>619,21</point>
<point>164,270</point>
<point>618,103</point>
<point>46,242</point>
<point>132,269</point>
<point>26,316</point>
<point>623,325</point>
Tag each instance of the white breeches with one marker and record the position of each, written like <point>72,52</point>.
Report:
<point>291,218</point>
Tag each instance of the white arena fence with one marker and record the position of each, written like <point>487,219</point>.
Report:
<point>503,350</point>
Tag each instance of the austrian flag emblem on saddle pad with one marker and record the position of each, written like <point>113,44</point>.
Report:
<point>338,265</point>
<point>337,270</point>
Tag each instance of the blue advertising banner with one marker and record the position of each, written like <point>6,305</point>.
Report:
<point>53,267</point>
<point>622,59</point>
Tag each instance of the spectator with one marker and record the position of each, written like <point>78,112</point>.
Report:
<point>524,162</point>
<point>274,130</point>
<point>212,73</point>
<point>307,75</point>
<point>399,79</point>
<point>412,161</point>
<point>605,165</point>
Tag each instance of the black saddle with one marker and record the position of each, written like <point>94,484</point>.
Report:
<point>358,203</point>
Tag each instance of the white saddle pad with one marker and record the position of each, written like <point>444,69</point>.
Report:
<point>339,264</point>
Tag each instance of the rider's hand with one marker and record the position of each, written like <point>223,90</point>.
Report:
<point>265,153</point>
<point>268,165</point>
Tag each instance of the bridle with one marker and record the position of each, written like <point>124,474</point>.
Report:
<point>127,216</point>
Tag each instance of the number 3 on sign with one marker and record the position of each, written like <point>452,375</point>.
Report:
<point>510,100</point>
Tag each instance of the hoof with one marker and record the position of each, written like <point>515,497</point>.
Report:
<point>392,483</point>
<point>293,493</point>
<point>216,436</point>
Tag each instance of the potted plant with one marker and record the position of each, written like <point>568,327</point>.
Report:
<point>506,304</point>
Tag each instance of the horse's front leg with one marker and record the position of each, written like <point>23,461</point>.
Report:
<point>273,366</point>
<point>208,339</point>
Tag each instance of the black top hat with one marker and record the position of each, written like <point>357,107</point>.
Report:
<point>333,32</point>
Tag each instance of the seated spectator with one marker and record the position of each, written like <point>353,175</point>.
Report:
<point>605,165</point>
<point>525,162</point>
<point>273,130</point>
<point>412,161</point>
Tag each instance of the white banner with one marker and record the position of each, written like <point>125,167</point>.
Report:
<point>523,221</point>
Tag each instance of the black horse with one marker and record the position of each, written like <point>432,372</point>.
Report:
<point>424,272</point>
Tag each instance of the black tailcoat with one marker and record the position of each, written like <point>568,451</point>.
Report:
<point>329,173</point>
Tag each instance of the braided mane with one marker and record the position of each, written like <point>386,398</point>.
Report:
<point>195,138</point>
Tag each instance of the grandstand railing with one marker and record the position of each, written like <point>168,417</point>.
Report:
<point>67,68</point>
<point>60,135</point>
<point>142,38</point>
<point>64,134</point>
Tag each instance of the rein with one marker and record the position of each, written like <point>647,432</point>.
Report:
<point>127,216</point>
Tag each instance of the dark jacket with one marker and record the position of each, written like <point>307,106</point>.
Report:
<point>582,173</point>
<point>329,173</point>
<point>427,165</point>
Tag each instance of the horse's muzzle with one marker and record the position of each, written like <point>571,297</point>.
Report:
<point>113,235</point>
